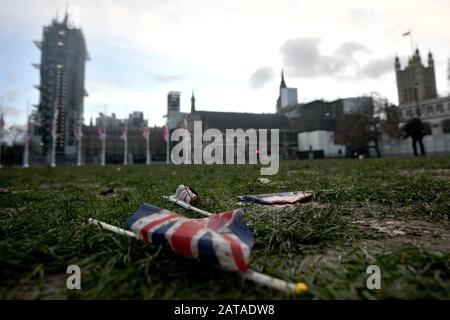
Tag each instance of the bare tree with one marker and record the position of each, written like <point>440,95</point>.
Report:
<point>358,131</point>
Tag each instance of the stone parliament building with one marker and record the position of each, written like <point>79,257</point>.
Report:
<point>306,129</point>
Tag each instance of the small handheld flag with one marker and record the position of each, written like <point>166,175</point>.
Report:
<point>185,194</point>
<point>223,239</point>
<point>252,275</point>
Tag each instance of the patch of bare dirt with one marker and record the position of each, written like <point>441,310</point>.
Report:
<point>433,235</point>
<point>51,287</point>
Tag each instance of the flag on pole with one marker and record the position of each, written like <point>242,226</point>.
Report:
<point>146,133</point>
<point>54,125</point>
<point>123,136</point>
<point>278,198</point>
<point>101,133</point>
<point>407,33</point>
<point>223,239</point>
<point>166,133</point>
<point>26,148</point>
<point>78,132</point>
<point>28,133</point>
<point>185,194</point>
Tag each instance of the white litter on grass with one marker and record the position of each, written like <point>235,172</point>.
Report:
<point>264,180</point>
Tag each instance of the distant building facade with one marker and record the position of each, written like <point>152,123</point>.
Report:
<point>416,82</point>
<point>418,97</point>
<point>61,88</point>
<point>92,145</point>
<point>316,122</point>
<point>287,96</point>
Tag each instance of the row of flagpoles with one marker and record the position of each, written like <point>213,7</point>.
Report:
<point>103,137</point>
<point>79,136</point>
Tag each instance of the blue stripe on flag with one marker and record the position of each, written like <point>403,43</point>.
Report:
<point>206,249</point>
<point>240,229</point>
<point>159,235</point>
<point>143,211</point>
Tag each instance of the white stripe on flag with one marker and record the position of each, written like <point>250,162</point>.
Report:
<point>137,226</point>
<point>172,229</point>
<point>194,241</point>
<point>222,248</point>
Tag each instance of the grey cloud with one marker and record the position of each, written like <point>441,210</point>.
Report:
<point>377,67</point>
<point>302,58</point>
<point>261,76</point>
<point>347,49</point>
<point>164,78</point>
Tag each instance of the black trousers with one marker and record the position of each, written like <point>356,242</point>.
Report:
<point>418,140</point>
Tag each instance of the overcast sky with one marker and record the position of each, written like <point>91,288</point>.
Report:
<point>229,52</point>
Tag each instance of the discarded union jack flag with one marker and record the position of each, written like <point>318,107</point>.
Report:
<point>278,198</point>
<point>185,194</point>
<point>222,239</point>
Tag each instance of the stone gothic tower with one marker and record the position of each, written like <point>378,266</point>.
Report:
<point>415,82</point>
<point>192,102</point>
<point>282,86</point>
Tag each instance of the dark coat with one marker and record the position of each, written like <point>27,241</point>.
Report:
<point>414,128</point>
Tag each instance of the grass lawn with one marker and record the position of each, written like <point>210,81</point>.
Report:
<point>389,212</point>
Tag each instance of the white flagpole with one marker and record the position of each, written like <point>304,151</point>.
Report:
<point>80,137</point>
<point>410,35</point>
<point>125,143</point>
<point>26,152</point>
<point>103,160</point>
<point>167,138</point>
<point>54,137</point>
<point>252,275</point>
<point>148,154</point>
<point>26,149</point>
<point>103,151</point>
<point>167,153</point>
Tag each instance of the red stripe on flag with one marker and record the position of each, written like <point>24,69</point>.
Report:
<point>181,238</point>
<point>218,221</point>
<point>237,253</point>
<point>144,230</point>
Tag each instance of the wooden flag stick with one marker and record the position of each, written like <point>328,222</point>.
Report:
<point>260,278</point>
<point>112,228</point>
<point>187,206</point>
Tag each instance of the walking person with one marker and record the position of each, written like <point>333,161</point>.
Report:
<point>415,129</point>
